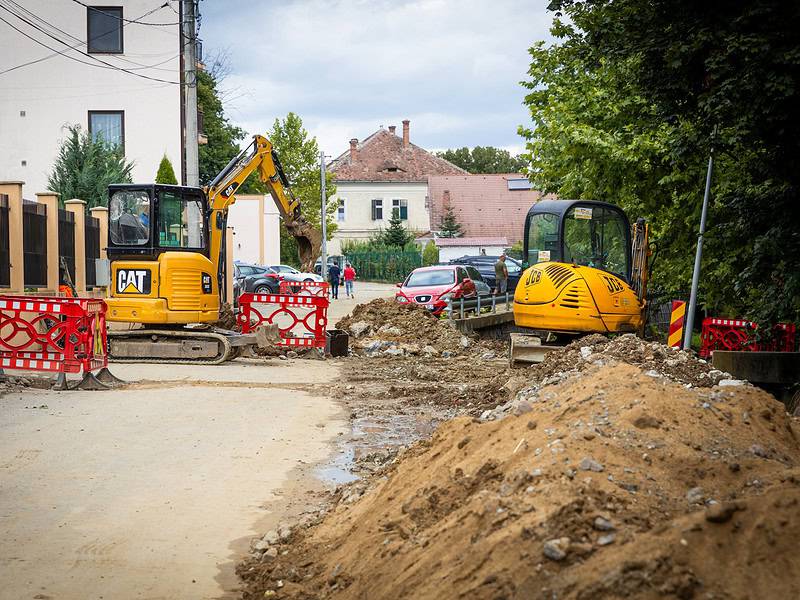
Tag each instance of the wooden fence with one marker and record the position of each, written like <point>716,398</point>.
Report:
<point>34,235</point>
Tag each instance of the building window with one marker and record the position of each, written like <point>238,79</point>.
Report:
<point>377,209</point>
<point>400,207</point>
<point>108,125</point>
<point>340,211</point>
<point>104,29</point>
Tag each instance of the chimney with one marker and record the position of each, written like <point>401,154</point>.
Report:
<point>392,128</point>
<point>353,149</point>
<point>405,133</point>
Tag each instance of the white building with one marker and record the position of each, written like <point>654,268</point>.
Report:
<point>450,248</point>
<point>256,227</point>
<point>115,70</point>
<point>383,174</point>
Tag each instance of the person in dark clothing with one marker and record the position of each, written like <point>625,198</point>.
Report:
<point>334,274</point>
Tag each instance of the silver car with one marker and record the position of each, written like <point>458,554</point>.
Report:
<point>291,274</point>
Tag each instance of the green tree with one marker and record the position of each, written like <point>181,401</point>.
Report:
<point>85,167</point>
<point>626,103</point>
<point>299,156</point>
<point>484,159</point>
<point>430,254</point>
<point>396,235</point>
<point>450,227</point>
<point>166,174</point>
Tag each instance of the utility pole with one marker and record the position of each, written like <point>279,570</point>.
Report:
<point>687,338</point>
<point>323,220</point>
<point>190,92</point>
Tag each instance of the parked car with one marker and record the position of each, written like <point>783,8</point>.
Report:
<point>433,286</point>
<point>337,258</point>
<point>485,266</point>
<point>291,274</point>
<point>255,278</point>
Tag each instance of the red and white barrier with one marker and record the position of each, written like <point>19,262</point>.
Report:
<point>301,319</point>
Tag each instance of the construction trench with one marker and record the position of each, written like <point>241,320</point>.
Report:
<point>615,468</point>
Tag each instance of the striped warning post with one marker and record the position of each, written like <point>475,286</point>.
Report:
<point>676,319</point>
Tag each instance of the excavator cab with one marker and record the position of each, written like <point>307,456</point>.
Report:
<point>587,269</point>
<point>158,245</point>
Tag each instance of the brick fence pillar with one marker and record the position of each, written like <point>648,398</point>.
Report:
<point>78,210</point>
<point>50,200</point>
<point>16,245</point>
<point>101,214</point>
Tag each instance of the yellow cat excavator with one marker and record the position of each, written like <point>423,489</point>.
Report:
<point>166,245</point>
<point>589,274</point>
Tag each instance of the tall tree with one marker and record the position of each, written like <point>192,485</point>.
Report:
<point>396,234</point>
<point>299,155</point>
<point>484,159</point>
<point>650,86</point>
<point>85,167</point>
<point>450,227</point>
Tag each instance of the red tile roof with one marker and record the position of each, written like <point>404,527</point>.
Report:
<point>482,204</point>
<point>471,241</point>
<point>382,157</point>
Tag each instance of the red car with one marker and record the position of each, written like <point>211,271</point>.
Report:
<point>433,286</point>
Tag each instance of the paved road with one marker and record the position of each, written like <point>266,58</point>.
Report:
<point>363,292</point>
<point>155,490</point>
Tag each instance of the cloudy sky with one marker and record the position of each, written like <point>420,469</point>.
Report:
<point>349,66</point>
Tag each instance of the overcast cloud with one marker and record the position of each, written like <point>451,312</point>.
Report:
<point>347,67</point>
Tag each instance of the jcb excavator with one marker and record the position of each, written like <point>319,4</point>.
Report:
<point>589,274</point>
<point>166,245</point>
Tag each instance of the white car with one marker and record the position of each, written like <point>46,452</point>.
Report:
<point>291,274</point>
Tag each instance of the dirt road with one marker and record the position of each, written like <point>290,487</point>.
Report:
<point>153,491</point>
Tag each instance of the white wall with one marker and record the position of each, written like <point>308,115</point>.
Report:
<point>256,240</point>
<point>60,91</point>
<point>448,253</point>
<point>358,223</point>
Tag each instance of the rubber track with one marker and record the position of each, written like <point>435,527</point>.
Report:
<point>228,350</point>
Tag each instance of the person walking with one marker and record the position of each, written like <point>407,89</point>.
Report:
<point>334,275</point>
<point>349,278</point>
<point>501,275</point>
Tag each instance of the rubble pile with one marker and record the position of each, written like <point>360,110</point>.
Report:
<point>386,327</point>
<point>611,482</point>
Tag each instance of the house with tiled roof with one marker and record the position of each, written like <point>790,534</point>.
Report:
<point>486,206</point>
<point>379,175</point>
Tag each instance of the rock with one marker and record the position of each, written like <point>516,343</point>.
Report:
<point>605,540</point>
<point>269,554</point>
<point>429,350</point>
<point>589,464</point>
<point>284,532</point>
<point>730,382</point>
<point>758,450</point>
<point>335,572</point>
<point>373,347</point>
<point>271,537</point>
<point>652,373</point>
<point>283,357</point>
<point>586,352</point>
<point>522,408</point>
<point>722,512</point>
<point>394,351</point>
<point>446,354</point>
<point>292,354</point>
<point>603,524</point>
<point>390,330</point>
<point>261,546</point>
<point>645,420</point>
<point>487,355</point>
<point>465,342</point>
<point>556,549</point>
<point>268,336</point>
<point>695,495</point>
<point>360,328</point>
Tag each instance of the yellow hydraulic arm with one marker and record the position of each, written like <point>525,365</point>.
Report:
<point>259,156</point>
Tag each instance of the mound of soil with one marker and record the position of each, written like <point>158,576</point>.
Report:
<point>612,483</point>
<point>653,357</point>
<point>407,327</point>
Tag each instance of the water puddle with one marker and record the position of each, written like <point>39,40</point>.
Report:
<point>372,441</point>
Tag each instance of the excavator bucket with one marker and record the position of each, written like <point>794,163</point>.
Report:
<point>309,242</point>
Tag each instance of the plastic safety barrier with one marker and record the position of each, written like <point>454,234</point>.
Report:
<point>62,335</point>
<point>301,319</point>
<point>308,288</point>
<point>737,334</point>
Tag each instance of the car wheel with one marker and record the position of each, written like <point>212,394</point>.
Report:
<point>308,280</point>
<point>263,289</point>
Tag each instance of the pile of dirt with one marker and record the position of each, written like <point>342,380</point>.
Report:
<point>612,483</point>
<point>652,357</point>
<point>227,320</point>
<point>384,326</point>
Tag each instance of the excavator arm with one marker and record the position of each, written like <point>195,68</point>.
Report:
<point>221,193</point>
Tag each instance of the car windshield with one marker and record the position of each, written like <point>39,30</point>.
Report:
<point>129,217</point>
<point>422,278</point>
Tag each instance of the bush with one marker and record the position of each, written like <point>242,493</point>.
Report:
<point>430,254</point>
<point>166,174</point>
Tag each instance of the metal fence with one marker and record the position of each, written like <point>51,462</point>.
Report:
<point>66,240</point>
<point>462,308</point>
<point>92,234</point>
<point>34,236</point>
<point>5,249</point>
<point>390,267</point>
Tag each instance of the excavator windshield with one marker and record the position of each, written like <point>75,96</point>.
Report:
<point>598,237</point>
